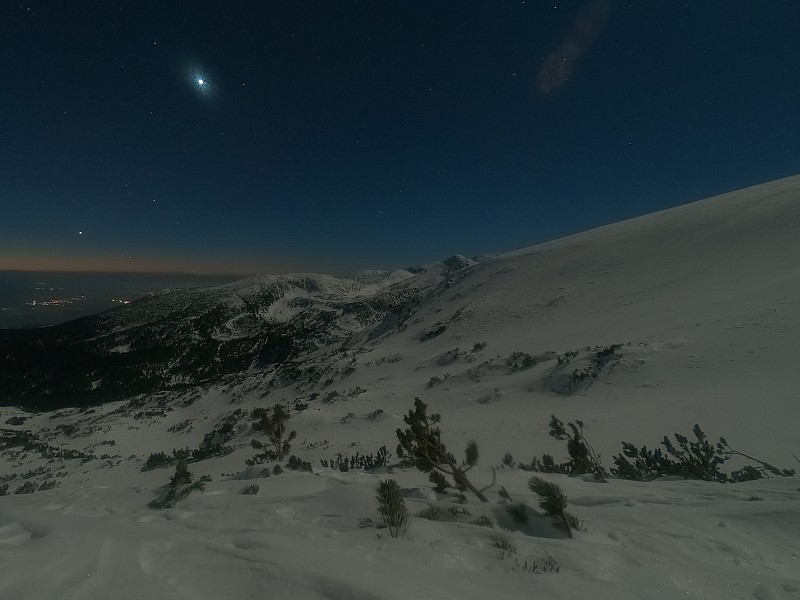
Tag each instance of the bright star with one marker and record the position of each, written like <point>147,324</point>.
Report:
<point>203,85</point>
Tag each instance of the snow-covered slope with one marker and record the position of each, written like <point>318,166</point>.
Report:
<point>640,329</point>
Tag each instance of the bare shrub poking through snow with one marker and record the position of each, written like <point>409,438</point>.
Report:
<point>506,548</point>
<point>392,506</point>
<point>422,444</point>
<point>549,565</point>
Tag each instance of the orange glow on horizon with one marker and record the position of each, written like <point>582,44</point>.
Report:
<point>115,264</point>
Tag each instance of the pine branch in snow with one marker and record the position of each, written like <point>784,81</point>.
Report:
<point>422,444</point>
<point>554,504</point>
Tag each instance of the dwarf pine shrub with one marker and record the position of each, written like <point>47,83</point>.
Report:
<point>26,488</point>
<point>158,460</point>
<point>181,477</point>
<point>518,513</point>
<point>421,443</point>
<point>155,461</point>
<point>439,481</point>
<point>181,484</point>
<point>554,504</point>
<point>458,513</point>
<point>483,521</point>
<point>520,361</point>
<point>365,462</point>
<point>433,382</point>
<point>431,513</point>
<point>48,484</point>
<point>297,464</point>
<point>274,425</point>
<point>250,490</point>
<point>181,454</point>
<point>392,506</point>
<point>582,456</point>
<point>504,495</point>
<point>691,459</point>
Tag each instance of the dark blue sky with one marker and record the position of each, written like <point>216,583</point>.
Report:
<point>332,136</point>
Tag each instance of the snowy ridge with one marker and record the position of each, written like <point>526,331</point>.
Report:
<point>640,329</point>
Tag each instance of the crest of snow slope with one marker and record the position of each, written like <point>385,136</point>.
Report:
<point>707,296</point>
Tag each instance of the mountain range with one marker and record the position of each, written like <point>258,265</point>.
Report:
<point>636,330</point>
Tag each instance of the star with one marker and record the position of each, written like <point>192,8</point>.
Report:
<point>199,80</point>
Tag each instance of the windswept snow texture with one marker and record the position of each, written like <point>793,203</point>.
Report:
<point>640,329</point>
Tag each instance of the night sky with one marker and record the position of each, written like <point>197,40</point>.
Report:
<point>338,135</point>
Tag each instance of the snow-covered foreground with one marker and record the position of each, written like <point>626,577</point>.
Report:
<point>701,305</point>
<point>299,538</point>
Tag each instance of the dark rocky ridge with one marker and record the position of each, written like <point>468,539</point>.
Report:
<point>183,338</point>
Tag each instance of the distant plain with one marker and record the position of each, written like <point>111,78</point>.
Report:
<point>62,296</point>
